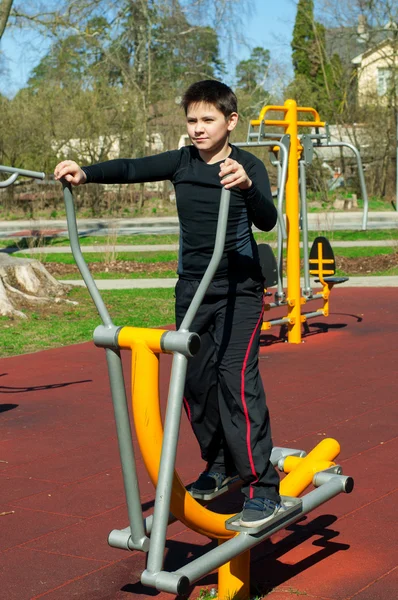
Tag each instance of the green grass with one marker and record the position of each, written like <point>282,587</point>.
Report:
<point>98,257</point>
<point>160,257</point>
<point>65,324</point>
<point>374,203</point>
<point>340,236</point>
<point>99,240</point>
<point>364,251</point>
<point>386,273</point>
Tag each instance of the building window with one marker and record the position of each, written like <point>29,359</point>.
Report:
<point>385,81</point>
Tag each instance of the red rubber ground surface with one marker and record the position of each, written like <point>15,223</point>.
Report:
<point>60,479</point>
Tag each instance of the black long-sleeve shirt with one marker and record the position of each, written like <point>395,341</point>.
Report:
<point>198,191</point>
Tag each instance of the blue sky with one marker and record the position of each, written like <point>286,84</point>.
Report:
<point>269,26</point>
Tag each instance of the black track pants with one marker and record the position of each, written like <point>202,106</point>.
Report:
<point>224,394</point>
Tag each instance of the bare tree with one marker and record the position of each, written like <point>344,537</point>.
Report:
<point>351,36</point>
<point>23,281</point>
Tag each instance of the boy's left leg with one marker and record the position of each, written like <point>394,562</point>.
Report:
<point>243,409</point>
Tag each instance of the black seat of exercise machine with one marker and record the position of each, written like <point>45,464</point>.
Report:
<point>334,280</point>
<point>269,268</point>
<point>322,261</point>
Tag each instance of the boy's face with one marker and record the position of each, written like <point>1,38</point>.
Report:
<point>207,127</point>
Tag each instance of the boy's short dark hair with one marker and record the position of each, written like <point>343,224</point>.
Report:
<point>211,92</point>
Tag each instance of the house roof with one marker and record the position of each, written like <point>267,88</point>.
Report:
<point>349,45</point>
<point>369,51</point>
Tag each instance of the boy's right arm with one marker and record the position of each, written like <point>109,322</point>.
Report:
<point>122,170</point>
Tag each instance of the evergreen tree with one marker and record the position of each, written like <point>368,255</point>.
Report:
<point>251,76</point>
<point>317,77</point>
<point>252,73</point>
<point>303,42</point>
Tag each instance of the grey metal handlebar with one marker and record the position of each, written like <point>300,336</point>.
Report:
<point>9,181</point>
<point>15,173</point>
<point>78,255</point>
<point>360,174</point>
<point>283,176</point>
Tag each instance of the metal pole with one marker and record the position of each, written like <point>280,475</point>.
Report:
<point>166,468</point>
<point>138,540</point>
<point>307,291</point>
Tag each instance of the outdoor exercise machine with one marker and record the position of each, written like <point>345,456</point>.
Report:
<point>320,261</point>
<point>158,446</point>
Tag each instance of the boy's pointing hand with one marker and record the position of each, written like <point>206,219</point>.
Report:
<point>232,174</point>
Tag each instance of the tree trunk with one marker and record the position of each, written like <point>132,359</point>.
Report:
<point>24,282</point>
<point>5,9</point>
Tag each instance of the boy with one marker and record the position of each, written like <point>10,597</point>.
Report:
<point>224,396</point>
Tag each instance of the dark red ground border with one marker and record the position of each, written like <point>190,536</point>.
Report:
<point>61,481</point>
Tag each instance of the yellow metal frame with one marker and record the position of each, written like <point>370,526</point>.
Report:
<point>234,577</point>
<point>290,124</point>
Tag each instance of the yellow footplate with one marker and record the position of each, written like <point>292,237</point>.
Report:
<point>291,507</point>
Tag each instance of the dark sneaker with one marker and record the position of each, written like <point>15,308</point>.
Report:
<point>209,482</point>
<point>257,511</point>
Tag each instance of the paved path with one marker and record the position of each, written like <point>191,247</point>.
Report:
<point>130,284</point>
<point>323,221</point>
<point>174,247</point>
<point>62,491</point>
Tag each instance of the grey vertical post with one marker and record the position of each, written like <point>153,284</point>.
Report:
<point>280,244</point>
<point>282,175</point>
<point>167,463</point>
<point>139,540</point>
<point>307,291</point>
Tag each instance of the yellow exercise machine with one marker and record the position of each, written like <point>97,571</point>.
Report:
<point>321,261</point>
